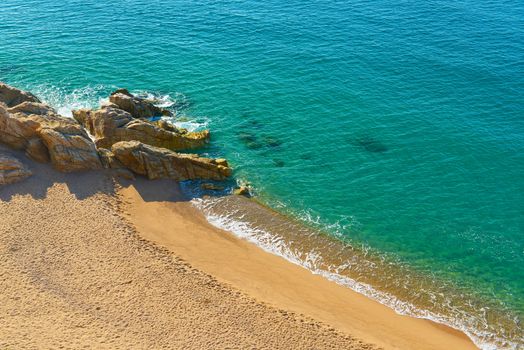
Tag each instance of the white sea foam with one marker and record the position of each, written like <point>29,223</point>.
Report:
<point>177,103</point>
<point>274,244</point>
<point>65,101</point>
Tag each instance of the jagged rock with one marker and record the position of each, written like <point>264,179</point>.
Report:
<point>142,146</point>
<point>158,163</point>
<point>12,170</point>
<point>138,107</point>
<point>121,91</point>
<point>12,96</point>
<point>103,124</point>
<point>242,191</point>
<point>28,107</point>
<point>17,129</point>
<point>37,150</point>
<point>108,159</point>
<point>152,135</point>
<point>163,124</point>
<point>107,104</point>
<point>70,148</point>
<point>222,161</point>
<point>111,125</point>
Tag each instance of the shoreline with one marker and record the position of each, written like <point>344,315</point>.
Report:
<point>161,213</point>
<point>76,274</point>
<point>174,223</point>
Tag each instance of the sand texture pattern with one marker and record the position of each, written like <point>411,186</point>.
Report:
<point>75,274</point>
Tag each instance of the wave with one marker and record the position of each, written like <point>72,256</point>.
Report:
<point>64,101</point>
<point>363,271</point>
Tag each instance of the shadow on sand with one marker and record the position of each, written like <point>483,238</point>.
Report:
<point>86,184</point>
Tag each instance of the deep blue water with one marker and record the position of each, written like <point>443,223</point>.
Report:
<point>397,125</point>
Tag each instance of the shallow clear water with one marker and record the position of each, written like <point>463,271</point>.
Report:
<point>397,126</point>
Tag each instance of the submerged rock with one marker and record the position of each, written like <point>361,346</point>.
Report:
<point>156,163</point>
<point>254,141</point>
<point>250,140</point>
<point>371,145</point>
<point>211,187</point>
<point>306,156</point>
<point>111,125</point>
<point>12,96</point>
<point>138,107</point>
<point>271,141</point>
<point>12,170</point>
<point>278,163</point>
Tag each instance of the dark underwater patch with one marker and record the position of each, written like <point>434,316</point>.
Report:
<point>252,141</point>
<point>371,144</point>
<point>249,140</point>
<point>306,156</point>
<point>271,141</point>
<point>278,163</point>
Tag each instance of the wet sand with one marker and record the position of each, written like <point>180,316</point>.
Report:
<point>86,265</point>
<point>161,215</point>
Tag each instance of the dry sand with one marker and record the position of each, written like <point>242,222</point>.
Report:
<point>84,267</point>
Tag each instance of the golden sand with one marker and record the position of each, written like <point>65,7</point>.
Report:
<point>86,265</point>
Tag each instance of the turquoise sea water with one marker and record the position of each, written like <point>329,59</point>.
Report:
<point>395,126</point>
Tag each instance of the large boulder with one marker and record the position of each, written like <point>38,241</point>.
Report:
<point>111,125</point>
<point>68,145</point>
<point>12,170</point>
<point>12,96</point>
<point>17,129</point>
<point>70,148</point>
<point>138,107</point>
<point>156,163</point>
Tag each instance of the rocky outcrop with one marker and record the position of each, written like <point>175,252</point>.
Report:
<point>138,107</point>
<point>17,129</point>
<point>103,124</point>
<point>49,136</point>
<point>70,149</point>
<point>144,147</point>
<point>111,125</point>
<point>156,163</point>
<point>108,159</point>
<point>11,96</point>
<point>12,170</point>
<point>32,108</point>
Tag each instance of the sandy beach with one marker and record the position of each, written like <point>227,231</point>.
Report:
<point>90,264</point>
